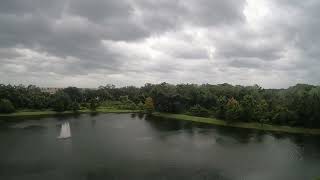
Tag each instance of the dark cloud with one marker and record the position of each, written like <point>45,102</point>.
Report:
<point>168,14</point>
<point>100,11</point>
<point>210,12</point>
<point>122,41</point>
<point>35,7</point>
<point>7,53</point>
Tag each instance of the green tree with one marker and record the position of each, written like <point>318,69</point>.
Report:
<point>149,105</point>
<point>233,110</point>
<point>248,105</point>
<point>75,106</point>
<point>74,93</point>
<point>6,106</point>
<point>124,99</point>
<point>314,106</point>
<point>198,110</point>
<point>283,116</point>
<point>61,102</point>
<point>221,107</point>
<point>261,111</point>
<point>140,106</point>
<point>94,104</point>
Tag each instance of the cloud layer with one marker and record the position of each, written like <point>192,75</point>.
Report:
<point>131,42</point>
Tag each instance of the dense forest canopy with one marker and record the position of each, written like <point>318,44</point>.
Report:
<point>296,106</point>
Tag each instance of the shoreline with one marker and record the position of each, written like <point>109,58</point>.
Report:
<point>257,126</point>
<point>50,112</point>
<point>212,121</point>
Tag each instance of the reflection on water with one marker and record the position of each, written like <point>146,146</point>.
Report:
<point>134,146</point>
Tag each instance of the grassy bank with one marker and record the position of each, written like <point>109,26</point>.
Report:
<point>258,126</point>
<point>50,112</point>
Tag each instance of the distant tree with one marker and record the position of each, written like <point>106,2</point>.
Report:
<point>314,106</point>
<point>233,110</point>
<point>149,105</point>
<point>140,106</point>
<point>128,105</point>
<point>6,106</point>
<point>124,99</point>
<point>75,106</point>
<point>248,105</point>
<point>61,102</point>
<point>221,107</point>
<point>296,106</point>
<point>94,104</point>
<point>261,111</point>
<point>131,105</point>
<point>283,115</point>
<point>198,110</point>
<point>74,93</point>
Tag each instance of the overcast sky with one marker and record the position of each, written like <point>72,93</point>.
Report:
<point>87,43</point>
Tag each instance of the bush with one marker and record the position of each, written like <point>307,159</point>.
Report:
<point>285,116</point>
<point>124,99</point>
<point>84,106</point>
<point>140,106</point>
<point>6,106</point>
<point>198,110</point>
<point>149,105</point>
<point>233,110</point>
<point>128,105</point>
<point>94,104</point>
<point>75,106</point>
<point>61,102</point>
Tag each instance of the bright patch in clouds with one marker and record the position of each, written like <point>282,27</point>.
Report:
<point>256,12</point>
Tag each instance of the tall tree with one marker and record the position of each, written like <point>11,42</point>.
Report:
<point>233,110</point>
<point>149,105</point>
<point>6,106</point>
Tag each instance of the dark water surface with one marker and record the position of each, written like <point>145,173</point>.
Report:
<point>129,146</point>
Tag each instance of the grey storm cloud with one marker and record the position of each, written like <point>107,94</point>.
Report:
<point>88,43</point>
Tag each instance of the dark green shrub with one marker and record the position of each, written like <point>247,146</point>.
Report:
<point>140,106</point>
<point>75,106</point>
<point>233,110</point>
<point>61,102</point>
<point>198,110</point>
<point>6,106</point>
<point>149,105</point>
<point>94,104</point>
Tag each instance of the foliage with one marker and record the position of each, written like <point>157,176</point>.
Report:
<point>198,110</point>
<point>128,105</point>
<point>149,105</point>
<point>61,102</point>
<point>248,104</point>
<point>74,93</point>
<point>6,106</point>
<point>233,111</point>
<point>295,106</point>
<point>140,106</point>
<point>75,106</point>
<point>94,104</point>
<point>124,99</point>
<point>220,109</point>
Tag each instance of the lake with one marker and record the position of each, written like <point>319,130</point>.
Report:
<point>132,146</point>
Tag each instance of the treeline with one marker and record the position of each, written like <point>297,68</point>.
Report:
<point>296,106</point>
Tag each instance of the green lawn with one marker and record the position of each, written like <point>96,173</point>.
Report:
<point>266,127</point>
